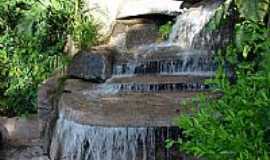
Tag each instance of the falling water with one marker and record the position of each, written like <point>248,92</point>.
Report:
<point>179,65</point>
<point>74,141</point>
<point>84,142</point>
<point>192,22</point>
<point>157,88</point>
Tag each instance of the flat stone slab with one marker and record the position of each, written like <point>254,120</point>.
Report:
<point>134,110</point>
<point>84,105</point>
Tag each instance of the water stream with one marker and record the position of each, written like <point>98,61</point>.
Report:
<point>83,142</point>
<point>73,141</point>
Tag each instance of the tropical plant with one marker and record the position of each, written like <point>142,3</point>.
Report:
<point>254,10</point>
<point>165,30</point>
<point>236,126</point>
<point>33,35</point>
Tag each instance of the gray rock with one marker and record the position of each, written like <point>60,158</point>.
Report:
<point>129,34</point>
<point>48,95</point>
<point>22,130</point>
<point>40,158</point>
<point>24,152</point>
<point>133,8</point>
<point>107,11</point>
<point>94,65</point>
<point>3,135</point>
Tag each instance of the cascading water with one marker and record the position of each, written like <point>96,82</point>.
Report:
<point>157,71</point>
<point>191,23</point>
<point>82,142</point>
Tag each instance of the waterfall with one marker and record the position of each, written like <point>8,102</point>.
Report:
<point>196,64</point>
<point>189,24</point>
<point>83,142</point>
<point>161,72</point>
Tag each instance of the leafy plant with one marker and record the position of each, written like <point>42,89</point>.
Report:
<point>165,30</point>
<point>32,38</point>
<point>254,10</point>
<point>235,126</point>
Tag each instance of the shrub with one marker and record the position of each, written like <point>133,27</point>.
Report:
<point>32,38</point>
<point>236,126</point>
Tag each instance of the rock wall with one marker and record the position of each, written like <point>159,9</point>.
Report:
<point>107,11</point>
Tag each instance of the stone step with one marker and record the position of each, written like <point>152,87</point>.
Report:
<point>87,106</point>
<point>125,110</point>
<point>158,79</point>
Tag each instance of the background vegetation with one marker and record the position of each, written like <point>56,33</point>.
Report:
<point>33,35</point>
<point>236,126</point>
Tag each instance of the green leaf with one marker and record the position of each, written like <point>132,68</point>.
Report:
<point>246,51</point>
<point>254,10</point>
<point>169,143</point>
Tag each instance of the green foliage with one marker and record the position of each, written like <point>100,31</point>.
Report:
<point>221,15</point>
<point>254,10</point>
<point>235,126</point>
<point>83,35</point>
<point>165,30</point>
<point>32,38</point>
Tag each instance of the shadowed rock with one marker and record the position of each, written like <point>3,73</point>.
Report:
<point>3,135</point>
<point>94,65</point>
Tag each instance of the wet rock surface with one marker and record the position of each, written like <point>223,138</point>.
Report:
<point>48,95</point>
<point>93,65</point>
<point>121,105</point>
<point>31,152</point>
<point>129,34</point>
<point>22,139</point>
<point>92,107</point>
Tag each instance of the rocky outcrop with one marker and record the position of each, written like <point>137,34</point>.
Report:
<point>132,8</point>
<point>94,65</point>
<point>107,11</point>
<point>20,137</point>
<point>129,34</point>
<point>48,96</point>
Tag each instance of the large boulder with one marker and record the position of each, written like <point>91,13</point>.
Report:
<point>93,65</point>
<point>129,34</point>
<point>107,11</point>
<point>132,8</point>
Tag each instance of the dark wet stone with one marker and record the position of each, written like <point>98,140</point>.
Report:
<point>3,135</point>
<point>93,65</point>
